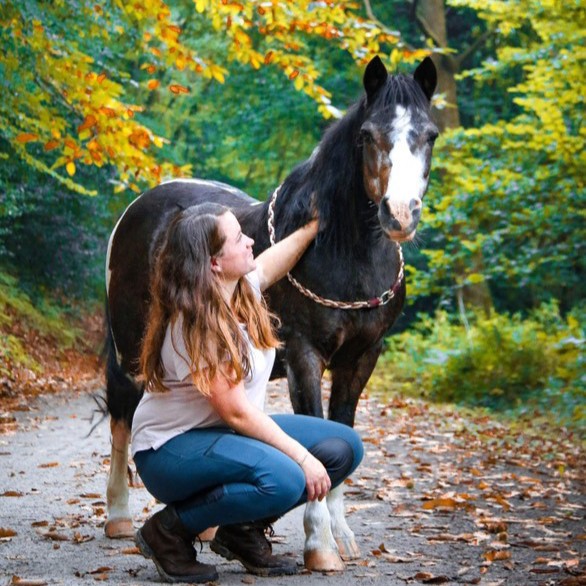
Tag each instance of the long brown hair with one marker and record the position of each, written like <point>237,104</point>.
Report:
<point>184,286</point>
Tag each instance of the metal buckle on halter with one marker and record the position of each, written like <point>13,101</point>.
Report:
<point>386,297</point>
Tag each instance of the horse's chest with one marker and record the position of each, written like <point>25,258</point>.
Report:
<point>359,329</point>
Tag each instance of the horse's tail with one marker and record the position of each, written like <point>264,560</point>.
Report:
<point>123,393</point>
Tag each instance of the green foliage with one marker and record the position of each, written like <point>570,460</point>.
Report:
<point>19,314</point>
<point>511,192</point>
<point>53,240</point>
<point>501,362</point>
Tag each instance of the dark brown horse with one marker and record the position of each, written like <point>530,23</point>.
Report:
<point>366,179</point>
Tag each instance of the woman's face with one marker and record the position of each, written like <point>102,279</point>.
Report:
<point>236,258</point>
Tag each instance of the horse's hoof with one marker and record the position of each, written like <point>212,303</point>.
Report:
<point>348,549</point>
<point>208,534</point>
<point>119,529</point>
<point>323,561</point>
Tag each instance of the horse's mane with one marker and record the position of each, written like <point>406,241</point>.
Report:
<point>334,174</point>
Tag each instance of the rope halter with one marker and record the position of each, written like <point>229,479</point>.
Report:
<point>382,299</point>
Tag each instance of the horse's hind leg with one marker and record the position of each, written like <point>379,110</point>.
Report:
<point>119,523</point>
<point>348,381</point>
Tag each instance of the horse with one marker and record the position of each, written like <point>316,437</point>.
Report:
<point>366,180</point>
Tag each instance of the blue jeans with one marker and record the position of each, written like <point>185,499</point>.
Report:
<point>215,476</point>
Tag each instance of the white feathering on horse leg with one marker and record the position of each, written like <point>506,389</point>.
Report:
<point>320,552</point>
<point>342,533</point>
<point>119,524</point>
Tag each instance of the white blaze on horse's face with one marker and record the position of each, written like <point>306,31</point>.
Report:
<point>411,140</point>
<point>397,159</point>
<point>397,138</point>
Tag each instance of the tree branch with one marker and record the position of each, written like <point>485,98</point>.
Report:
<point>460,59</point>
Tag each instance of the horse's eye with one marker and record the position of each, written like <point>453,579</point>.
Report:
<point>366,136</point>
<point>432,137</point>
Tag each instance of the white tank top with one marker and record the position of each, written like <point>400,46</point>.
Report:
<point>162,416</point>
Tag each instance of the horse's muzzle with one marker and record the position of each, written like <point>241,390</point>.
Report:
<point>399,220</point>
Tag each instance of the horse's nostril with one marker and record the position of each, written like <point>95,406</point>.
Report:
<point>415,204</point>
<point>396,225</point>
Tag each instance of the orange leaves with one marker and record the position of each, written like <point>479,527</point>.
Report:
<point>25,137</point>
<point>140,139</point>
<point>153,84</point>
<point>50,145</point>
<point>6,533</point>
<point>89,122</point>
<point>178,89</point>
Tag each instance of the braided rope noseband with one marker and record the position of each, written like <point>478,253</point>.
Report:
<point>382,299</point>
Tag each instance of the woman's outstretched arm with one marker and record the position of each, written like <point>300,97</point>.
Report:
<point>275,262</point>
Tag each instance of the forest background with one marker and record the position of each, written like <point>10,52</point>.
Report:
<point>102,99</point>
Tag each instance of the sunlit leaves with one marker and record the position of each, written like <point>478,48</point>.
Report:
<point>66,74</point>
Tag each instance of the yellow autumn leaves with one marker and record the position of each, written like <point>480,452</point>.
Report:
<point>70,105</point>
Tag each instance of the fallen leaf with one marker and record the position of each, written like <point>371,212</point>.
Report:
<point>495,555</point>
<point>27,582</point>
<point>427,578</point>
<point>54,536</point>
<point>100,570</point>
<point>441,503</point>
<point>11,493</point>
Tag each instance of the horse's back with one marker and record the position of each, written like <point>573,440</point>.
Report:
<point>131,250</point>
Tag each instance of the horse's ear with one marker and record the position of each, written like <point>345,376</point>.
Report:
<point>374,77</point>
<point>426,76</point>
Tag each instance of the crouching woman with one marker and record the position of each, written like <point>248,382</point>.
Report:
<point>201,440</point>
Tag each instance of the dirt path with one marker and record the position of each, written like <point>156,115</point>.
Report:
<point>440,499</point>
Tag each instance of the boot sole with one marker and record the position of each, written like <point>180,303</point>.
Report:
<point>148,553</point>
<point>223,551</point>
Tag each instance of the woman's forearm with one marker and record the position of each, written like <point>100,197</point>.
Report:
<point>275,262</point>
<point>256,424</point>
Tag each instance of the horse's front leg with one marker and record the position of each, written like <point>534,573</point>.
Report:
<point>348,381</point>
<point>343,535</point>
<point>119,523</point>
<point>304,371</point>
<point>320,552</point>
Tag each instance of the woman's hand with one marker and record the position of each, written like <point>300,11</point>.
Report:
<point>317,481</point>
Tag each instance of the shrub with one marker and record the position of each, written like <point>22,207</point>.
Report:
<point>500,362</point>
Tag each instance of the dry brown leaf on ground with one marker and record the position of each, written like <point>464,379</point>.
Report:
<point>428,578</point>
<point>27,581</point>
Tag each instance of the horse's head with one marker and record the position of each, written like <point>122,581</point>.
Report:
<point>397,138</point>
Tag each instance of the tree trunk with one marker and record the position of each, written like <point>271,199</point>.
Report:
<point>431,17</point>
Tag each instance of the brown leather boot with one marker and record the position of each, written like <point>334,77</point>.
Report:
<point>248,544</point>
<point>165,540</point>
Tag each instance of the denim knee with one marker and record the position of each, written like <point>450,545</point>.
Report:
<point>282,488</point>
